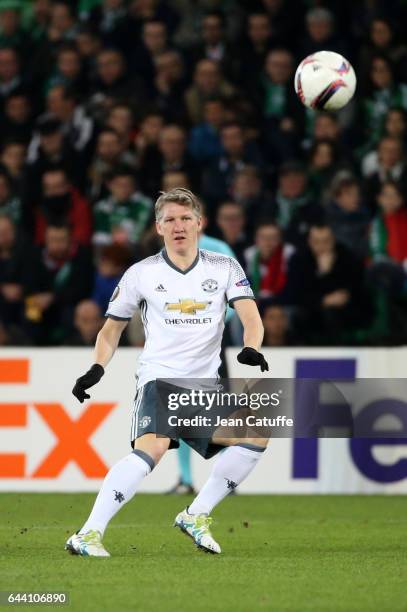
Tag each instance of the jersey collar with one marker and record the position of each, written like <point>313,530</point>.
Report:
<point>174,267</point>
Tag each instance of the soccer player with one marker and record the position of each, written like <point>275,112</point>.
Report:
<point>183,340</point>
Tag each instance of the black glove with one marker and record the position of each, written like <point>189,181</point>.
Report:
<point>89,379</point>
<point>251,357</point>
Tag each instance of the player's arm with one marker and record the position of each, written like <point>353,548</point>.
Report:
<point>107,340</point>
<point>253,333</point>
<point>105,347</point>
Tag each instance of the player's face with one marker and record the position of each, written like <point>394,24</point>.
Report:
<point>179,226</point>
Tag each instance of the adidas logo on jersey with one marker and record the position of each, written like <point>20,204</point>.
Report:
<point>160,288</point>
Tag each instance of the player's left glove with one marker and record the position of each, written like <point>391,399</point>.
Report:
<point>251,357</point>
<point>89,379</point>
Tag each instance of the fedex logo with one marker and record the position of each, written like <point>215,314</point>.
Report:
<point>305,450</point>
<point>73,435</point>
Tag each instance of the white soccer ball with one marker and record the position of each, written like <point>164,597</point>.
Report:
<point>325,81</point>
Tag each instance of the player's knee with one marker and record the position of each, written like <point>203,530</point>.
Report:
<point>153,446</point>
<point>261,442</point>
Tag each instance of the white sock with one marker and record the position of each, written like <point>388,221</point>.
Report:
<point>119,486</point>
<point>230,469</point>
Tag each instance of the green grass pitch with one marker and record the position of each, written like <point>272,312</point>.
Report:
<point>280,553</point>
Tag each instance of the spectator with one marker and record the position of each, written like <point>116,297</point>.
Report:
<point>139,13</point>
<point>230,221</point>
<point>267,260</point>
<point>62,26</point>
<point>237,153</point>
<point>18,122</point>
<point>111,263</point>
<point>283,116</point>
<point>114,84</point>
<point>123,216</point>
<point>390,165</point>
<point>388,236</point>
<point>10,75</point>
<point>77,127</point>
<point>146,141</point>
<point>39,19</point>
<point>57,276</point>
<point>384,92</point>
<point>10,203</point>
<point>89,45</point>
<point>12,157</point>
<point>278,97</point>
<point>276,326</point>
<point>68,70</point>
<point>208,83</point>
<point>292,207</point>
<point>210,243</point>
<point>322,165</point>
<point>205,143</point>
<point>215,46</point>
<point>171,155</point>
<point>395,127</point>
<point>61,204</point>
<point>11,32</point>
<point>168,86</point>
<point>109,153</point>
<point>382,41</point>
<point>326,281</point>
<point>154,42</point>
<point>258,41</point>
<point>396,124</point>
<point>247,190</point>
<point>105,18</point>
<point>87,323</point>
<point>49,149</point>
<point>56,26</point>
<point>327,127</point>
<point>347,216</point>
<point>320,34</point>
<point>121,119</point>
<point>13,253</point>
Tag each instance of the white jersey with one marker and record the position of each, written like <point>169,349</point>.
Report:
<point>182,311</point>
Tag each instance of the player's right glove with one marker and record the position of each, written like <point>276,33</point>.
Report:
<point>89,379</point>
<point>251,357</point>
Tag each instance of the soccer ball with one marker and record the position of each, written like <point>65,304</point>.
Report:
<point>325,81</point>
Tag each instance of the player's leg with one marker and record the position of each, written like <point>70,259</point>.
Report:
<point>124,479</point>
<point>184,458</point>
<point>184,485</point>
<point>119,486</point>
<point>230,469</point>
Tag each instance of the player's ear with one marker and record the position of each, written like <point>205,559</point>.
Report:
<point>158,228</point>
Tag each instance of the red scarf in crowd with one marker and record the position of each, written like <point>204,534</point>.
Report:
<point>273,281</point>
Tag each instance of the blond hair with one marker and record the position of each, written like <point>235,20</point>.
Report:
<point>178,195</point>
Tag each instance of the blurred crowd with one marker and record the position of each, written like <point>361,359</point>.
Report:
<point>103,103</point>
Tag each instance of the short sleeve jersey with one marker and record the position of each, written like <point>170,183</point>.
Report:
<point>182,312</point>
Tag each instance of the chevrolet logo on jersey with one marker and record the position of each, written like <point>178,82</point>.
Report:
<point>187,306</point>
